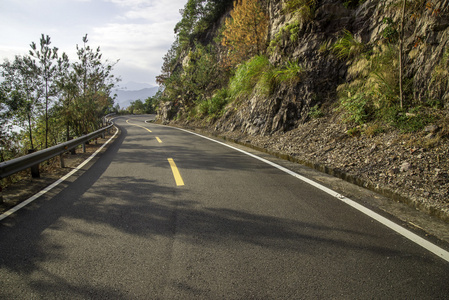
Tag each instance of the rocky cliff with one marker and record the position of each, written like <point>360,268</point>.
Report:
<point>304,120</point>
<point>426,39</point>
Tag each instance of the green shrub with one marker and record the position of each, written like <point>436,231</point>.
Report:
<point>354,132</point>
<point>203,108</point>
<point>356,107</point>
<point>218,102</point>
<point>413,120</point>
<point>260,76</point>
<point>315,112</point>
<point>214,106</point>
<point>390,34</point>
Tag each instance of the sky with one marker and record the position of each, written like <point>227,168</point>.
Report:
<point>138,33</point>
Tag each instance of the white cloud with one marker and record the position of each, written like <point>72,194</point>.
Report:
<point>138,32</point>
<point>134,44</point>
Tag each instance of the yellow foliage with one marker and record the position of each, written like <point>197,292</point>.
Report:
<point>245,32</point>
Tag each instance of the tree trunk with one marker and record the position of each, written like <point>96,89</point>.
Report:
<point>68,132</point>
<point>46,113</point>
<point>30,132</point>
<point>401,67</point>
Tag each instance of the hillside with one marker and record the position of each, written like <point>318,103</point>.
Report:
<point>357,89</point>
<point>124,97</point>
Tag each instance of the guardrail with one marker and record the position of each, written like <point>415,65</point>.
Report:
<point>33,160</point>
<point>16,165</point>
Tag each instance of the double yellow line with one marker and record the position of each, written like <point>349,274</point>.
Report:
<point>174,168</point>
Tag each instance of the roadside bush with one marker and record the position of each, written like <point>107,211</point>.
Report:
<point>412,120</point>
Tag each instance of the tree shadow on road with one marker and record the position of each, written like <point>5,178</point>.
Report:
<point>148,210</point>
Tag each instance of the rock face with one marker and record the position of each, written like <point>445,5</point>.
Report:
<point>426,39</point>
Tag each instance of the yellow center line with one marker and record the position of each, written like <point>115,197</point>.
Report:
<point>127,121</point>
<point>159,140</point>
<point>176,174</point>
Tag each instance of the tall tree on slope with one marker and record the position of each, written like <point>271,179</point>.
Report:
<point>245,32</point>
<point>46,57</point>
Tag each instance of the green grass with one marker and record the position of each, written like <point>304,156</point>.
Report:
<point>248,75</point>
<point>347,46</point>
<point>290,73</point>
<point>305,9</point>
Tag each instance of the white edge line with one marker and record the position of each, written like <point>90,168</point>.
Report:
<point>54,184</point>
<point>397,228</point>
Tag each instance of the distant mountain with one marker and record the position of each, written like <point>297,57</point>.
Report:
<point>124,97</point>
<point>135,86</point>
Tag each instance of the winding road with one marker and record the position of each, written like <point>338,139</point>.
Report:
<point>165,214</point>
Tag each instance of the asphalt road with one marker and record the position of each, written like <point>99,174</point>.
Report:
<point>170,215</point>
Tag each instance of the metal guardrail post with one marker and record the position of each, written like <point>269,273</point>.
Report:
<point>35,168</point>
<point>35,171</point>
<point>61,160</point>
<point>73,150</point>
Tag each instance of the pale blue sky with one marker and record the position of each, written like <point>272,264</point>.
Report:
<point>138,32</point>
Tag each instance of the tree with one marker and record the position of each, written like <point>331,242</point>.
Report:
<point>190,14</point>
<point>46,57</point>
<point>4,138</point>
<point>45,94</point>
<point>22,91</point>
<point>67,89</point>
<point>95,82</point>
<point>137,107</point>
<point>183,82</point>
<point>245,32</point>
<point>7,138</point>
<point>152,103</point>
<point>401,69</point>
<point>169,64</point>
<point>197,17</point>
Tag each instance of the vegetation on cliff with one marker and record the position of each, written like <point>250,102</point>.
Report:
<point>226,53</point>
